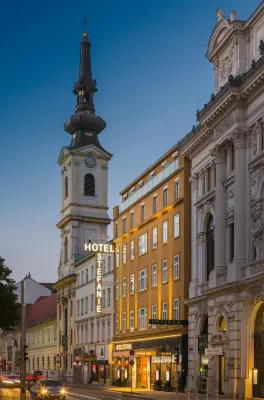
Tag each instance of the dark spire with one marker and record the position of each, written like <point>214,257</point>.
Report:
<point>84,125</point>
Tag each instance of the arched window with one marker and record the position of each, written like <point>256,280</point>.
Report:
<point>210,247</point>
<point>66,249</point>
<point>222,324</point>
<point>89,185</point>
<point>66,187</point>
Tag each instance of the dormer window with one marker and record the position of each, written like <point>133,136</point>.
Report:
<point>141,183</point>
<point>125,196</point>
<point>151,175</point>
<point>165,164</point>
<point>175,155</point>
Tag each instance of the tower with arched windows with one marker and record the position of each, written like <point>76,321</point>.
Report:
<point>84,217</point>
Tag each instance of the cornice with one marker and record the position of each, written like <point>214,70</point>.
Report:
<point>76,217</point>
<point>83,205</point>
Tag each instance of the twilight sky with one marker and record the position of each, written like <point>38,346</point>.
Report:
<point>148,57</point>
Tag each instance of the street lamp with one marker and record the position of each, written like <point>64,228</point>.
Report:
<point>255,376</point>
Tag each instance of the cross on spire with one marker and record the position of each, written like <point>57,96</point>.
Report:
<point>85,23</point>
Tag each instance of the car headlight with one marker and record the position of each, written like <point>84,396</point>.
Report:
<point>6,381</point>
<point>44,391</point>
<point>63,391</point>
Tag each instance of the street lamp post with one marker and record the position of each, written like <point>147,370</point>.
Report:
<point>23,347</point>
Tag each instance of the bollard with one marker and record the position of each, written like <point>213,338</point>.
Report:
<point>196,395</point>
<point>188,393</point>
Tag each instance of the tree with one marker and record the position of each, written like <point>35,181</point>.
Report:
<point>9,315</point>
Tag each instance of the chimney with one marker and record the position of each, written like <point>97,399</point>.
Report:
<point>233,16</point>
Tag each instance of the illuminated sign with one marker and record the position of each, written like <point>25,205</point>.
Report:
<point>125,346</point>
<point>168,322</point>
<point>98,248</point>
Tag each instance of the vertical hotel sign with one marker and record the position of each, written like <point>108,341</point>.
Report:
<point>99,249</point>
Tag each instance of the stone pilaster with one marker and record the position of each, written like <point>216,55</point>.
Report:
<point>194,179</point>
<point>258,138</point>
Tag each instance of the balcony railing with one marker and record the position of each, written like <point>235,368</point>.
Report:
<point>155,181</point>
<point>254,269</point>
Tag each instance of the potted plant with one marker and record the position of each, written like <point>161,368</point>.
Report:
<point>117,382</point>
<point>166,387</point>
<point>157,385</point>
<point>124,382</point>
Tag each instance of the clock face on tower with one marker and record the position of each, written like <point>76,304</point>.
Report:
<point>90,161</point>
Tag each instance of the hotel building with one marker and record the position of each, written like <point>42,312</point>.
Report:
<point>152,273</point>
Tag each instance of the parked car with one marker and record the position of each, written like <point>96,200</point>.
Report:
<point>51,389</point>
<point>11,381</point>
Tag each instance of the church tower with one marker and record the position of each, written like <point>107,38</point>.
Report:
<point>84,213</point>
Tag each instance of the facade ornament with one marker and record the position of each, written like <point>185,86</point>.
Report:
<point>76,162</point>
<point>255,293</point>
<point>219,338</point>
<point>220,14</point>
<point>200,238</point>
<point>257,234</point>
<point>225,123</point>
<point>261,47</point>
<point>254,143</point>
<point>239,137</point>
<point>104,167</point>
<point>202,308</point>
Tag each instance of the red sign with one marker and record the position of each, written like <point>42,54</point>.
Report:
<point>131,362</point>
<point>131,352</point>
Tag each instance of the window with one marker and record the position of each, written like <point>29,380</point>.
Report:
<point>233,158</point>
<point>142,280</point>
<point>66,187</point>
<point>103,298</point>
<point>165,197</point>
<point>78,279</point>
<point>103,266</point>
<point>132,284</point>
<point>232,241</point>
<point>132,250</point>
<point>142,215</point>
<point>78,307</point>
<point>124,322</point>
<point>165,232</point>
<point>164,310</point>
<point>86,275</point>
<point>164,271</point>
<point>176,225</point>
<point>132,219</point>
<point>154,275</point>
<point>124,287</point>
<point>43,336</point>
<point>210,247</point>
<point>82,277</point>
<point>108,330</point>
<point>210,178</point>
<point>176,267</point>
<point>176,314</point>
<point>142,244</point>
<point>108,296</point>
<point>92,277</point>
<point>142,318</point>
<point>86,304</point>
<point>262,136</point>
<point>154,313</point>
<point>103,331</point>
<point>116,230</point>
<point>177,189</point>
<point>92,302</point>
<point>82,302</point>
<point>71,307</point>
<point>132,320</point>
<point>124,225</point>
<point>117,289</point>
<point>117,323</point>
<point>154,237</point>
<point>117,258</point>
<point>124,254</point>
<point>154,204</point>
<point>66,250</point>
<point>98,331</point>
<point>109,263</point>
<point>89,185</point>
<point>92,333</point>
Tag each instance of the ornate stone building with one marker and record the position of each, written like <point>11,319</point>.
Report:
<point>84,214</point>
<point>226,149</point>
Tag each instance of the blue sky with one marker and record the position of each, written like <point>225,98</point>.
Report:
<point>149,60</point>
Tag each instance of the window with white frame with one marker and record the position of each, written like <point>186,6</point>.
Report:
<point>154,204</point>
<point>78,279</point>
<point>103,266</point>
<point>103,331</point>
<point>117,258</point>
<point>132,320</point>
<point>108,296</point>
<point>117,323</point>
<point>103,298</point>
<point>142,318</point>
<point>132,219</point>
<point>176,267</point>
<point>165,232</point>
<point>92,277</point>
<point>176,313</point>
<point>86,274</point>
<point>82,277</point>
<point>142,280</point>
<point>177,189</point>
<point>142,215</point>
<point>132,250</point>
<point>132,283</point>
<point>86,304</point>
<point>154,275</point>
<point>78,307</point>
<point>116,230</point>
<point>109,263</point>
<point>165,197</point>
<point>124,287</point>
<point>108,330</point>
<point>92,333</point>
<point>176,225</point>
<point>164,310</point>
<point>154,313</point>
<point>124,225</point>
<point>164,271</point>
<point>142,244</point>
<point>124,322</point>
<point>124,254</point>
<point>117,289</point>
<point>154,237</point>
<point>92,302</point>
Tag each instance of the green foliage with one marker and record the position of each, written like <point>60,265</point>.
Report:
<point>9,315</point>
<point>166,383</point>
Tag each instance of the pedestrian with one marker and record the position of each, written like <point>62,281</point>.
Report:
<point>33,387</point>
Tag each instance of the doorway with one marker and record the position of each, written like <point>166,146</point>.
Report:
<point>142,374</point>
<point>221,374</point>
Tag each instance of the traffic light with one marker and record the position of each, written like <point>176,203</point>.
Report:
<point>25,353</point>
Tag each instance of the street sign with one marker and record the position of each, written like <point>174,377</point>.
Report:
<point>168,322</point>
<point>131,362</point>
<point>214,351</point>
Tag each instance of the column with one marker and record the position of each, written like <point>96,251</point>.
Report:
<point>228,158</point>
<point>258,137</point>
<point>58,322</point>
<point>69,334</point>
<point>240,220</point>
<point>194,179</point>
<point>220,209</point>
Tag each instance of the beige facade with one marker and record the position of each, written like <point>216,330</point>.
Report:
<point>152,271</point>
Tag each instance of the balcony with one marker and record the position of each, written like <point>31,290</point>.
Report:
<point>154,182</point>
<point>254,269</point>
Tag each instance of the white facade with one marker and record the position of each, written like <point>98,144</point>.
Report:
<point>227,274</point>
<point>33,290</point>
<point>94,331</point>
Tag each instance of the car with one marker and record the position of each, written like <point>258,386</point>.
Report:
<point>11,381</point>
<point>51,389</point>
